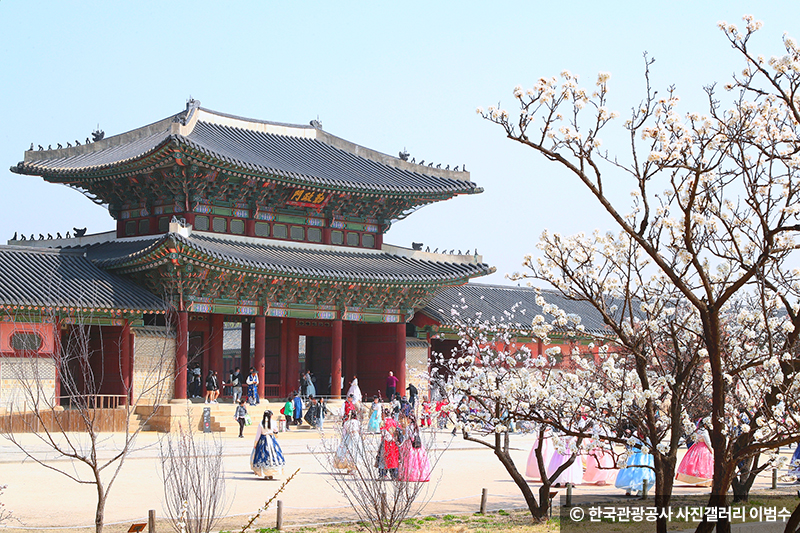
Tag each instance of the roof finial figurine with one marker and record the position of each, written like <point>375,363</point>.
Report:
<point>87,140</point>
<point>41,147</point>
<point>49,146</point>
<point>22,238</point>
<point>77,142</point>
<point>422,162</point>
<point>436,251</point>
<point>31,148</point>
<point>447,167</point>
<point>98,134</point>
<point>455,168</point>
<point>430,164</point>
<point>79,232</point>
<point>463,168</point>
<point>404,155</point>
<point>14,238</point>
<point>414,160</point>
<point>459,252</point>
<point>427,248</point>
<point>316,123</point>
<point>59,146</point>
<point>68,236</point>
<point>69,145</point>
<point>58,235</point>
<point>41,237</point>
<point>33,237</point>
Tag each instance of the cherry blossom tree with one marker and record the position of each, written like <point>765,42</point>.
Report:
<point>714,218</point>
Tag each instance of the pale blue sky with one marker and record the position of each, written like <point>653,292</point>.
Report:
<point>387,76</point>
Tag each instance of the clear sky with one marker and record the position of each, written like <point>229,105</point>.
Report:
<point>384,75</point>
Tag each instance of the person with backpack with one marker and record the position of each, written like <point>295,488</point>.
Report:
<point>212,387</point>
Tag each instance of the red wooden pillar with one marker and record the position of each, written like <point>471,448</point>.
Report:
<point>286,387</point>
<point>216,342</point>
<point>294,355</point>
<point>351,353</point>
<point>125,359</point>
<point>57,354</point>
<point>246,347</point>
<point>400,357</point>
<point>336,359</point>
<point>181,355</point>
<point>258,356</point>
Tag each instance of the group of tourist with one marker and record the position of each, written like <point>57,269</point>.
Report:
<point>400,453</point>
<point>213,387</point>
<point>399,450</point>
<point>596,465</point>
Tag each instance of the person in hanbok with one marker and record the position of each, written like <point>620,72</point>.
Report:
<point>355,391</point>
<point>697,466</point>
<point>532,469</point>
<point>388,449</point>
<point>573,474</point>
<point>414,462</point>
<point>600,465</point>
<point>425,419</point>
<point>311,389</point>
<point>794,464</point>
<point>349,451</point>
<point>348,407</point>
<point>267,459</point>
<point>252,388</point>
<point>374,424</point>
<point>638,468</point>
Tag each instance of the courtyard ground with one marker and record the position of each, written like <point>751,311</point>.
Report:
<point>44,500</point>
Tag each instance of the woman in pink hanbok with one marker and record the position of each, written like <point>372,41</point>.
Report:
<point>414,462</point>
<point>697,466</point>
<point>532,469</point>
<point>574,472</point>
<point>600,464</point>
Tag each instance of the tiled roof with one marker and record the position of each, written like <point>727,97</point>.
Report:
<point>494,301</point>
<point>320,262</point>
<point>46,278</point>
<point>300,154</point>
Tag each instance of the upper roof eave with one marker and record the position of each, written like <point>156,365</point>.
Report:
<point>387,174</point>
<point>296,262</point>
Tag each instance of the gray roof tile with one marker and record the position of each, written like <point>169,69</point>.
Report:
<point>47,278</point>
<point>493,301</point>
<point>326,161</point>
<point>276,259</point>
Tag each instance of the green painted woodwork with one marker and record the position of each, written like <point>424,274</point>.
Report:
<point>290,219</point>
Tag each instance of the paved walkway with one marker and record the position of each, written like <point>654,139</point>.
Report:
<point>42,498</point>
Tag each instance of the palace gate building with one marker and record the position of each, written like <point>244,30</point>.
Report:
<point>277,227</point>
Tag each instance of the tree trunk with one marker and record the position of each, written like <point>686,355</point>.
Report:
<point>665,477</point>
<point>793,524</point>
<point>101,504</point>
<point>522,483</point>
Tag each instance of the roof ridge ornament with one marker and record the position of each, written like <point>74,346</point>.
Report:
<point>184,116</point>
<point>180,226</point>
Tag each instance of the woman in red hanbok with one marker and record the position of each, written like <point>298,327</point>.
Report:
<point>389,458</point>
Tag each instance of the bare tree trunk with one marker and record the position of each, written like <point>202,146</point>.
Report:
<point>100,510</point>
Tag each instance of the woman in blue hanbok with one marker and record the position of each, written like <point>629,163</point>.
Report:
<point>794,464</point>
<point>267,460</point>
<point>638,468</point>
<point>374,425</point>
